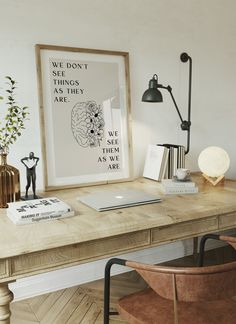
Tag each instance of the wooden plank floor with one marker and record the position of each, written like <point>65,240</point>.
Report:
<point>83,304</point>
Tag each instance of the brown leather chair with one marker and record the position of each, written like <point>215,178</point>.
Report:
<point>198,295</point>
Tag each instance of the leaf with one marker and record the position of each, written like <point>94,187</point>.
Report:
<point>14,118</point>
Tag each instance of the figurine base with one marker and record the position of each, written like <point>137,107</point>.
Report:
<point>30,197</point>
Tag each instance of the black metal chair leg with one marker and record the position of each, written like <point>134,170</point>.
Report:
<point>202,246</point>
<point>107,287</point>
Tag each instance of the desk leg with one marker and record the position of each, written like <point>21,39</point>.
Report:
<point>6,296</point>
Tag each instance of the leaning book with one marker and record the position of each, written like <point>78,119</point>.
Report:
<point>37,210</point>
<point>155,162</point>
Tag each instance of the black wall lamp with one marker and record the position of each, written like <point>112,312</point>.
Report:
<point>153,94</point>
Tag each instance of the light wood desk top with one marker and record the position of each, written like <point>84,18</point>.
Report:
<point>30,249</point>
<point>89,224</point>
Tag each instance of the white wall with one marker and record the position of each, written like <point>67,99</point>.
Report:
<point>154,32</point>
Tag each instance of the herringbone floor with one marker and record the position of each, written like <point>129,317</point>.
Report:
<point>83,304</point>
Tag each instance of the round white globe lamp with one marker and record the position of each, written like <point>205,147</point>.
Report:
<point>213,161</point>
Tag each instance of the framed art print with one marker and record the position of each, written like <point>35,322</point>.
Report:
<point>85,115</point>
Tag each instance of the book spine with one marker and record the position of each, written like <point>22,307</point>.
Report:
<point>171,164</point>
<point>40,218</point>
<point>175,160</point>
<point>179,185</point>
<point>180,191</point>
<point>182,157</point>
<point>164,166</point>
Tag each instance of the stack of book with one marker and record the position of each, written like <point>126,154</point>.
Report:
<point>37,210</point>
<point>177,187</point>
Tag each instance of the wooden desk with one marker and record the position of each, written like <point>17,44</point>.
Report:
<point>37,248</point>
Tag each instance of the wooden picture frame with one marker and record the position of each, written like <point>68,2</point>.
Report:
<point>84,97</point>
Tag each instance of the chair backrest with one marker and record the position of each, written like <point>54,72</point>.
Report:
<point>190,284</point>
<point>229,239</point>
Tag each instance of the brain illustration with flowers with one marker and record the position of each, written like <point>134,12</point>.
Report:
<point>87,123</point>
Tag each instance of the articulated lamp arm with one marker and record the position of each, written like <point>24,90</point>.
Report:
<point>168,88</point>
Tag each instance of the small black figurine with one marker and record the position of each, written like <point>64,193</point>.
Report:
<point>30,163</point>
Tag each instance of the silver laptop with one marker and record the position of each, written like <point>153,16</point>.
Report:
<point>107,200</point>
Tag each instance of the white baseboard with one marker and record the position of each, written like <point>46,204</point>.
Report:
<point>69,277</point>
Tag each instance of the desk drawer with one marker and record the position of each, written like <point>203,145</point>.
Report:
<point>227,221</point>
<point>79,253</point>
<point>183,230</point>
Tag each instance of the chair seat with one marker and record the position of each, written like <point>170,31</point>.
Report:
<point>147,307</point>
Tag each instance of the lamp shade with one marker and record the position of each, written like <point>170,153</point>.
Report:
<point>152,94</point>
